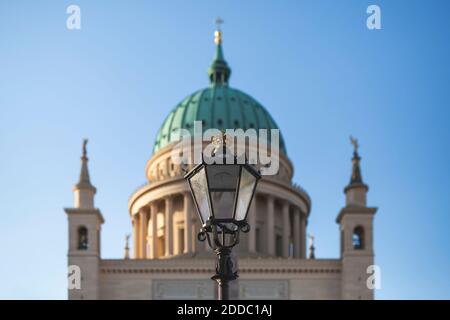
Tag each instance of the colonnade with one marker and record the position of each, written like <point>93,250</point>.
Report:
<point>158,238</point>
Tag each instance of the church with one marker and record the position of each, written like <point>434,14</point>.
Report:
<point>168,262</point>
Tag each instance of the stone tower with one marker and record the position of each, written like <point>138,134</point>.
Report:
<point>356,229</point>
<point>84,234</point>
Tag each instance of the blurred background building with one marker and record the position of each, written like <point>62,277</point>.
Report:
<point>168,262</point>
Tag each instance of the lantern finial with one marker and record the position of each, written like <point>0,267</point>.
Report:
<point>219,141</point>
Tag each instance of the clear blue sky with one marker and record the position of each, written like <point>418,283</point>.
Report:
<point>322,74</point>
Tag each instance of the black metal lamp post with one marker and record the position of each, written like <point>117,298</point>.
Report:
<point>223,191</point>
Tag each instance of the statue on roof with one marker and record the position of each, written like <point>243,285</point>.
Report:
<point>85,141</point>
<point>355,144</point>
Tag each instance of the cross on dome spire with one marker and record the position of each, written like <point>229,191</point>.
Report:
<point>218,32</point>
<point>219,22</point>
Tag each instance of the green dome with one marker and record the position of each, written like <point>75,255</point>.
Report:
<point>218,106</point>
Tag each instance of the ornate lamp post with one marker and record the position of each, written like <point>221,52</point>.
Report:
<point>223,191</point>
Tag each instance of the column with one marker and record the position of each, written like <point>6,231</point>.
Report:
<point>286,229</point>
<point>154,243</point>
<point>297,232</point>
<point>168,236</point>
<point>252,222</point>
<point>303,235</point>
<point>195,243</point>
<point>143,218</point>
<point>135,221</point>
<point>270,225</point>
<point>187,222</point>
<point>167,165</point>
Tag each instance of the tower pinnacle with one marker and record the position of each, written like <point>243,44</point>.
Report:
<point>356,190</point>
<point>84,181</point>
<point>84,191</point>
<point>356,170</point>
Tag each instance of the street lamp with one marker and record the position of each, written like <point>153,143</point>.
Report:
<point>223,191</point>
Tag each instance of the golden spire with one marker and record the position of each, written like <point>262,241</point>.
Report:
<point>218,32</point>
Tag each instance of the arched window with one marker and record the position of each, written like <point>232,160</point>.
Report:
<point>358,238</point>
<point>82,238</point>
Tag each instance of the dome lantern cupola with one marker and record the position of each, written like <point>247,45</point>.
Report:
<point>217,106</point>
<point>218,71</point>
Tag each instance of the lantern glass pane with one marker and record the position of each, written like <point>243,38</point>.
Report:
<point>223,177</point>
<point>199,187</point>
<point>223,180</point>
<point>223,202</point>
<point>246,188</point>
